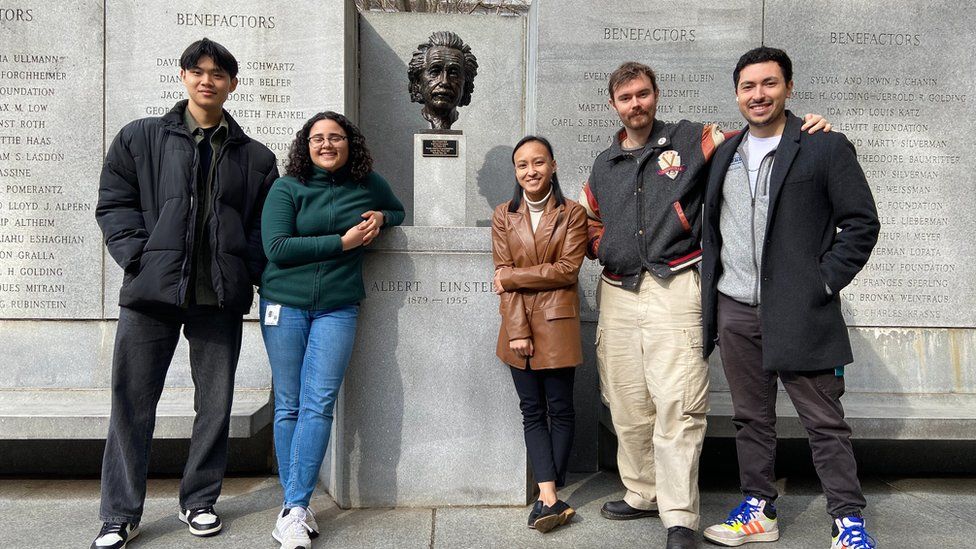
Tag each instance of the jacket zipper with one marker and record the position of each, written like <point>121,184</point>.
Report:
<point>755,260</point>
<point>190,223</point>
<point>218,288</point>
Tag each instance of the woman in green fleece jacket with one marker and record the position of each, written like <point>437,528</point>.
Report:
<point>315,223</point>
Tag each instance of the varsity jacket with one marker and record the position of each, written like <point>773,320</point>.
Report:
<point>645,211</point>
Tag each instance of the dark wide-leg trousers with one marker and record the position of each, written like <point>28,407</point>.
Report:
<point>816,397</point>
<point>144,346</point>
<point>548,418</point>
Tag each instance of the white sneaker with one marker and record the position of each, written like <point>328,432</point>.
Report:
<point>115,535</point>
<point>849,533</point>
<point>313,527</point>
<point>291,529</point>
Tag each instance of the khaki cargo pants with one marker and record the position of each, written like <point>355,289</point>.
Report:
<point>655,381</point>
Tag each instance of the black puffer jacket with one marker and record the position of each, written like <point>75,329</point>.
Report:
<point>146,210</point>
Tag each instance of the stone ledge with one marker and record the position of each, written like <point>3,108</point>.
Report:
<point>872,416</point>
<point>58,414</point>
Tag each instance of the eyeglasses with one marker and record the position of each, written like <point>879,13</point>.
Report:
<point>318,140</point>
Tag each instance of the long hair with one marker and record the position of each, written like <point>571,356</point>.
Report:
<point>299,164</point>
<point>557,193</point>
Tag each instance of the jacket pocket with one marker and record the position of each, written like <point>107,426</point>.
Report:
<point>561,311</point>
<point>682,218</point>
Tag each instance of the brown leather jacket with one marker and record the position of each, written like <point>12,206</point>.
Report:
<point>539,274</point>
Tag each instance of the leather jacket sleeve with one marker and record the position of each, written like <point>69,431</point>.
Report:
<point>512,307</point>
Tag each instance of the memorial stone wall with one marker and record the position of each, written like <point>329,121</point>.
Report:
<point>902,91</point>
<point>896,86</point>
<point>50,156</point>
<point>71,75</point>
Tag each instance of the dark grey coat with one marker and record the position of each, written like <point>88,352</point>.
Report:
<point>816,187</point>
<point>146,210</point>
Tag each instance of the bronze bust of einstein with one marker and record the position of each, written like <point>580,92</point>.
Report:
<point>441,74</point>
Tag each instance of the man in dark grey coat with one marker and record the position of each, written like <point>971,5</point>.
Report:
<point>789,220</point>
<point>179,206</point>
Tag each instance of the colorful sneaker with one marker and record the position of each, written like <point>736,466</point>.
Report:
<point>849,533</point>
<point>201,522</point>
<point>753,520</point>
<point>115,535</point>
<point>291,530</point>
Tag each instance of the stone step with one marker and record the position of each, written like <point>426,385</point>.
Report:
<point>872,416</point>
<point>57,414</point>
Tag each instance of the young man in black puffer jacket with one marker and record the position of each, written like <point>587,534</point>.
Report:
<point>179,206</point>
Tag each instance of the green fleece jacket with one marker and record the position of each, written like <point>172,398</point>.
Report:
<point>301,228</point>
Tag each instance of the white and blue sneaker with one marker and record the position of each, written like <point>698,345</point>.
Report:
<point>849,533</point>
<point>115,535</point>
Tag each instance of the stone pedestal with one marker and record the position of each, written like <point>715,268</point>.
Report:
<point>439,167</point>
<point>428,415</point>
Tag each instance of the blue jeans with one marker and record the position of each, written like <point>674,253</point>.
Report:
<point>309,352</point>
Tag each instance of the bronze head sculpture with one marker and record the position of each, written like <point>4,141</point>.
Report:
<point>441,74</point>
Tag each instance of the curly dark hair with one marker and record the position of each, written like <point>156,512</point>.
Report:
<point>299,163</point>
<point>444,39</point>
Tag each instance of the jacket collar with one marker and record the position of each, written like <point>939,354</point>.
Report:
<point>173,121</point>
<point>786,151</point>
<point>660,138</point>
<point>536,244</point>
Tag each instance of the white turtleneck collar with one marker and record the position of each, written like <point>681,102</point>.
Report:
<point>536,208</point>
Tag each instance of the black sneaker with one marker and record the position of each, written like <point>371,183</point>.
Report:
<point>114,535</point>
<point>202,522</point>
<point>535,512</point>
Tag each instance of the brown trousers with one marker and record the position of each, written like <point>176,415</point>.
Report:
<point>816,397</point>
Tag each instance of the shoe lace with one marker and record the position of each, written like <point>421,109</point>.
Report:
<point>297,527</point>
<point>742,514</point>
<point>111,528</point>
<point>854,537</point>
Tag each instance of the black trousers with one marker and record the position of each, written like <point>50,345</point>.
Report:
<point>144,346</point>
<point>548,418</point>
<point>816,397</point>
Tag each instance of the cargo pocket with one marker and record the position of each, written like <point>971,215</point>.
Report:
<point>695,397</point>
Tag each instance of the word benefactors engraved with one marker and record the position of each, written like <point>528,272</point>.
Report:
<point>895,90</point>
<point>445,148</point>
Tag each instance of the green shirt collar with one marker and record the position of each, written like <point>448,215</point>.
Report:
<point>197,132</point>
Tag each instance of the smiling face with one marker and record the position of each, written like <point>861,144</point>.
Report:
<point>761,94</point>
<point>635,102</point>
<point>207,85</point>
<point>326,155</point>
<point>442,82</point>
<point>533,169</point>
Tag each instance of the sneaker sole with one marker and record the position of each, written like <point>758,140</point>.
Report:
<point>630,516</point>
<point>274,535</point>
<point>751,538</point>
<point>201,533</point>
<point>547,524</point>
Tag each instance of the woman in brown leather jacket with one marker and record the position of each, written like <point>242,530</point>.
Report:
<point>538,244</point>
